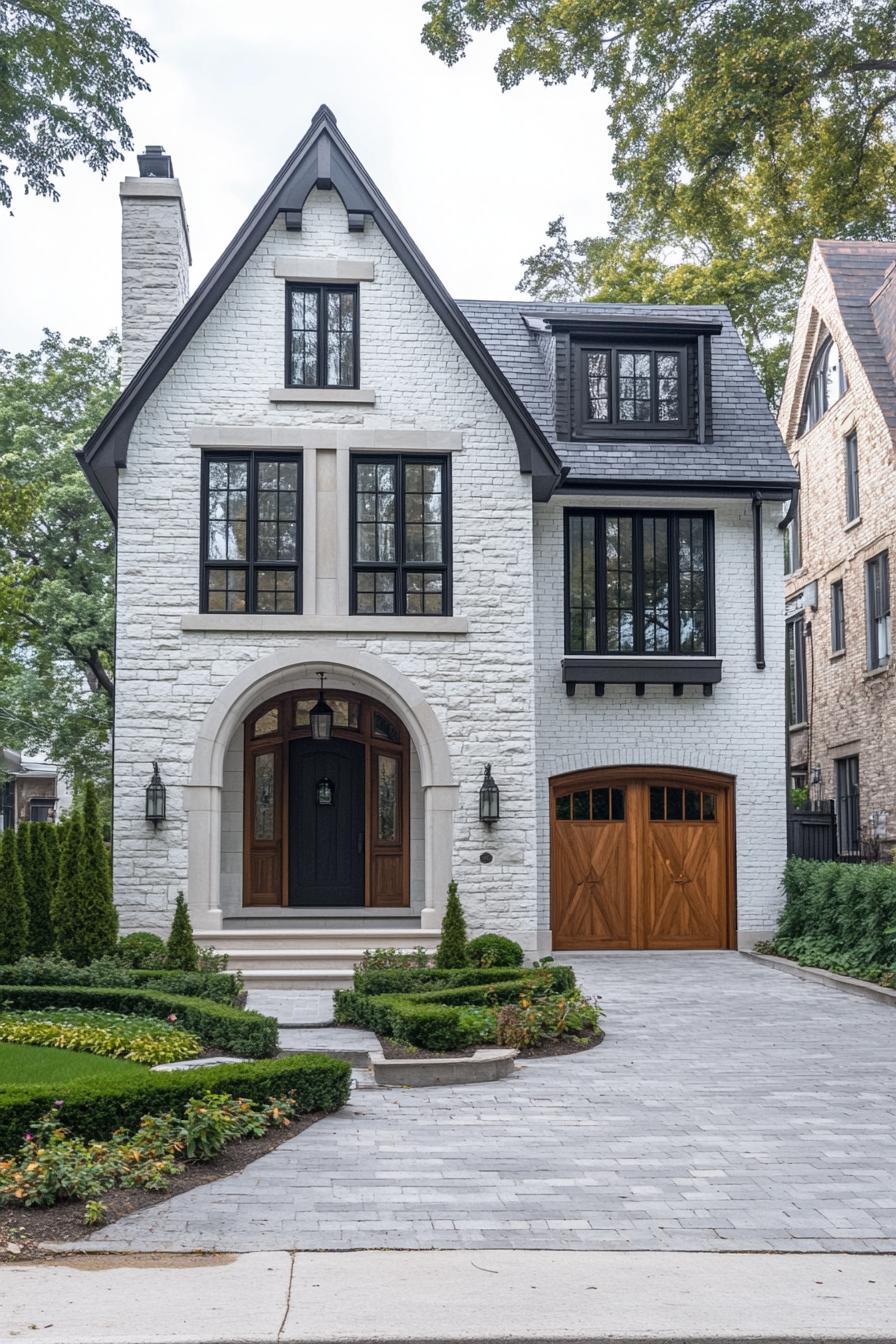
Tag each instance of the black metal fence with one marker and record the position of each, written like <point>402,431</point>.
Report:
<point>812,831</point>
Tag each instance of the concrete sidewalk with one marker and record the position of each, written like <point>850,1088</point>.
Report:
<point>422,1296</point>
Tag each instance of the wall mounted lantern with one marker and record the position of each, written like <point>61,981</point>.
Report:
<point>816,774</point>
<point>489,799</point>
<point>321,716</point>
<point>155,797</point>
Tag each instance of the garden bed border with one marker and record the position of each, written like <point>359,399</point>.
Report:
<point>848,983</point>
<point>486,1065</point>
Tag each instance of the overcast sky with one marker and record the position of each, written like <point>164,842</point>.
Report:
<point>475,174</point>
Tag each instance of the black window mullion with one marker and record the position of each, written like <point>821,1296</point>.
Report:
<point>322,319</point>
<point>674,578</point>
<point>638,580</point>
<point>600,584</point>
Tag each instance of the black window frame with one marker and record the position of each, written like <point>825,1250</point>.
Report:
<point>851,459</point>
<point>838,617</point>
<point>322,290</point>
<point>815,399</point>
<point>401,566</point>
<point>253,459</point>
<point>873,613</point>
<point>672,517</point>
<point>795,673</point>
<point>587,428</point>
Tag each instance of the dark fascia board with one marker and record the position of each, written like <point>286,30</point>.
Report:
<point>647,669</point>
<point>575,485</point>
<point>321,159</point>
<point>632,325</point>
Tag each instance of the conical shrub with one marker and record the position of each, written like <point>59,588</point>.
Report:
<point>37,883</point>
<point>452,951</point>
<point>97,879</point>
<point>13,908</point>
<point>65,903</point>
<point>52,835</point>
<point>180,953</point>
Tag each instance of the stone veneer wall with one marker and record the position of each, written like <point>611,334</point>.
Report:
<point>852,710</point>
<point>739,731</point>
<point>479,685</point>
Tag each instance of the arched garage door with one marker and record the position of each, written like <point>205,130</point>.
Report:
<point>642,858</point>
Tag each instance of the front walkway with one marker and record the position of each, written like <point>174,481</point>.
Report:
<point>730,1108</point>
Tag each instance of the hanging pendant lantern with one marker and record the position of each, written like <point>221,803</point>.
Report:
<point>321,716</point>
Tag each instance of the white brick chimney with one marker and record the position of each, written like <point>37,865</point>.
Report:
<point>155,256</point>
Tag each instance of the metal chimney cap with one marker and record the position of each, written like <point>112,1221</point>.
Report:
<point>154,162</point>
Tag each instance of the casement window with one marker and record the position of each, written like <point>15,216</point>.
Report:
<point>322,336</point>
<point>848,822</point>
<point>826,384</point>
<point>796,672</point>
<point>251,533</point>
<point>851,453</point>
<point>877,609</point>
<point>838,618</point>
<point>401,536</point>
<point>639,583</point>
<point>793,541</point>
<point>630,388</point>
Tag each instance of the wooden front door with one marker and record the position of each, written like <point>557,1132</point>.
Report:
<point>326,822</point>
<point>642,859</point>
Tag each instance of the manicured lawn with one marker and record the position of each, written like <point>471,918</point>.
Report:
<point>43,1064</point>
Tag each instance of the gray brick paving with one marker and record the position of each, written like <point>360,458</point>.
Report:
<point>730,1108</point>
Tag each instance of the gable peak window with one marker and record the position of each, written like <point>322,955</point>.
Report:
<point>826,383</point>
<point>321,335</point>
<point>638,582</point>
<point>401,537</point>
<point>631,387</point>
<point>251,533</point>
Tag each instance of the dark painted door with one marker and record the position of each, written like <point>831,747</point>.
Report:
<point>326,822</point>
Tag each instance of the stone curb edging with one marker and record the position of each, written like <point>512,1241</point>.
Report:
<point>849,983</point>
<point>485,1066</point>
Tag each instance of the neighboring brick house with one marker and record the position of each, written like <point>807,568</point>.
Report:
<point>537,537</point>
<point>30,789</point>
<point>838,418</point>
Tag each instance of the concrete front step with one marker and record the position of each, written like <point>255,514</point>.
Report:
<point>359,936</point>
<point>306,958</point>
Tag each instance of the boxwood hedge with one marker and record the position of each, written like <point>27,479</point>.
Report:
<point>217,1025</point>
<point>94,1108</point>
<point>562,978</point>
<point>216,985</point>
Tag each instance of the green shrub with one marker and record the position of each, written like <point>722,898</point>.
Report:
<point>94,1108</point>
<point>393,959</point>
<point>561,978</point>
<point>85,921</point>
<point>452,951</point>
<point>839,916</point>
<point>13,909</point>
<point>490,949</point>
<point>220,1027</point>
<point>180,950</point>
<point>37,879</point>
<point>108,971</point>
<point>142,951</point>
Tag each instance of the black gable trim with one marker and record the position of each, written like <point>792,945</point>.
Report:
<point>321,159</point>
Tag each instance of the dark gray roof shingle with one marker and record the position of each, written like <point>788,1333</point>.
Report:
<point>747,447</point>
<point>858,270</point>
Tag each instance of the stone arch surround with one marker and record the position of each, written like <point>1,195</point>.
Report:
<point>346,668</point>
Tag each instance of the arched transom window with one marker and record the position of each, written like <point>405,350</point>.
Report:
<point>826,385</point>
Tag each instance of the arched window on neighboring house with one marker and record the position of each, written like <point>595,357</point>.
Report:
<point>826,385</point>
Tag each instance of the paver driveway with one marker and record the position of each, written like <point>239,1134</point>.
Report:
<point>730,1108</point>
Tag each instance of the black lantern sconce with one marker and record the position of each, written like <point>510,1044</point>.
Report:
<point>489,799</point>
<point>816,774</point>
<point>155,797</point>
<point>321,716</point>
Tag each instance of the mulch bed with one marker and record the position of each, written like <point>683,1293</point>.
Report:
<point>563,1045</point>
<point>26,1228</point>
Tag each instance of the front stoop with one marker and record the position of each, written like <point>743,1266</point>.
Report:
<point>307,958</point>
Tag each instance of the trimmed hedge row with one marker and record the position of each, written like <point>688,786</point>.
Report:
<point>563,979</point>
<point>838,912</point>
<point>429,1026</point>
<point>218,986</point>
<point>93,1109</point>
<point>217,1025</point>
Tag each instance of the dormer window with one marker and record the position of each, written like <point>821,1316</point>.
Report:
<point>826,385</point>
<point>631,387</point>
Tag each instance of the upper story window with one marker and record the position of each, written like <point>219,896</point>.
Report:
<point>630,388</point>
<point>838,618</point>
<point>877,609</point>
<point>796,671</point>
<point>826,385</point>
<point>793,541</point>
<point>321,335</point>
<point>639,583</point>
<point>251,529</point>
<point>851,451</point>
<point>401,536</point>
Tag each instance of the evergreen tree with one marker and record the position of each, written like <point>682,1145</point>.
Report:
<point>52,836</point>
<point>38,880</point>
<point>181,950</point>
<point>13,910</point>
<point>85,921</point>
<point>65,901</point>
<point>452,951</point>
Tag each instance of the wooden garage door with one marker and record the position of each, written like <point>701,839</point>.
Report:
<point>642,859</point>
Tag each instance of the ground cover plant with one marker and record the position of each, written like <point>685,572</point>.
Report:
<point>25,1065</point>
<point>840,917</point>
<point>144,1040</point>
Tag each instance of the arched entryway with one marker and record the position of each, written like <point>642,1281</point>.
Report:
<point>326,824</point>
<point>642,857</point>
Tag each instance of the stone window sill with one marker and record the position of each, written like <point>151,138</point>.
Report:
<point>854,522</point>
<point>222,622</point>
<point>332,396</point>
<point>320,270</point>
<point>873,672</point>
<point>797,727</point>
<point>837,655</point>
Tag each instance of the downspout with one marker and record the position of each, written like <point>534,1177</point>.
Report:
<point>758,598</point>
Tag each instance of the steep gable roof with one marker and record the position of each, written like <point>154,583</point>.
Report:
<point>858,270</point>
<point>322,159</point>
<point>746,451</point>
